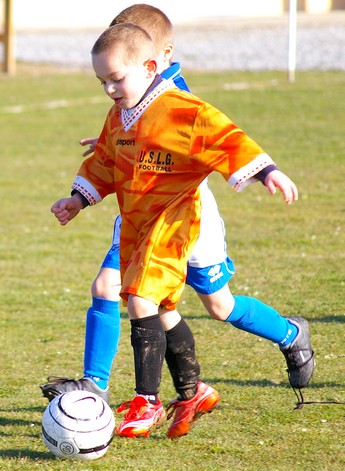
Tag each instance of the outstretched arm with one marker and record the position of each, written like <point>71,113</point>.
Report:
<point>277,179</point>
<point>67,208</point>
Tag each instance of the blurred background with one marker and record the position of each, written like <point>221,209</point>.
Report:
<point>28,14</point>
<point>210,35</point>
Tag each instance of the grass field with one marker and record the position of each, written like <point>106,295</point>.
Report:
<point>289,257</point>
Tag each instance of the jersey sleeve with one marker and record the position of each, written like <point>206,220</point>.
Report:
<point>95,177</point>
<point>222,146</point>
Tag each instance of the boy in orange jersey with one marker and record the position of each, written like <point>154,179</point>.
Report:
<point>158,169</point>
<point>103,317</point>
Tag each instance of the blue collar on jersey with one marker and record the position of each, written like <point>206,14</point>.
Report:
<point>174,72</point>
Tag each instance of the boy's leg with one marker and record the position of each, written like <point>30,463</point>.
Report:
<point>102,336</point>
<point>291,334</point>
<point>209,270</point>
<point>249,314</point>
<point>102,331</point>
<point>103,324</point>
<point>180,354</point>
<point>253,316</point>
<point>195,398</point>
<point>148,340</point>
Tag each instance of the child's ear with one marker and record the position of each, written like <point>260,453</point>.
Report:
<point>168,52</point>
<point>151,67</point>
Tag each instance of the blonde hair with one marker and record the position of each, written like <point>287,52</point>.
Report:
<point>152,20</point>
<point>133,42</point>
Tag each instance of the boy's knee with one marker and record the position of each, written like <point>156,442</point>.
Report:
<point>220,312</point>
<point>220,304</point>
<point>107,285</point>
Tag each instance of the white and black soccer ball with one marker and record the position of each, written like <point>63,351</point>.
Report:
<point>78,425</point>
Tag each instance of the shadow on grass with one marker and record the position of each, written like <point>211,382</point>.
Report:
<point>18,422</point>
<point>262,383</point>
<point>25,409</point>
<point>124,315</point>
<point>328,319</point>
<point>26,453</point>
<point>324,319</point>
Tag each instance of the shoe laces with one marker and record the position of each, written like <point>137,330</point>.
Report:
<point>301,402</point>
<point>134,406</point>
<point>125,405</point>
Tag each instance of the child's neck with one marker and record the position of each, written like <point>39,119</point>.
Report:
<point>156,81</point>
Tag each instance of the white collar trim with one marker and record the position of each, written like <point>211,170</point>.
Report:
<point>129,117</point>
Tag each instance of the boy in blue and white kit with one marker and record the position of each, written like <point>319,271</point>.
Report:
<point>209,270</point>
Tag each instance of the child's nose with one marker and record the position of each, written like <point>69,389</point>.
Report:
<point>109,89</point>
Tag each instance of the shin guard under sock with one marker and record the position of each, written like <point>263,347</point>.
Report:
<point>101,340</point>
<point>251,315</point>
<point>181,359</point>
<point>149,344</point>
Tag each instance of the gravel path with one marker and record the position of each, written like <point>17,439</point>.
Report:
<point>214,44</point>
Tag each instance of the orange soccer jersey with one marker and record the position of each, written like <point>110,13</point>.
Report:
<point>154,157</point>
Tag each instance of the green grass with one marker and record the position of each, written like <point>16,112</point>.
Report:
<point>289,257</point>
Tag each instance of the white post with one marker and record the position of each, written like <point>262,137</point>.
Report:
<point>292,40</point>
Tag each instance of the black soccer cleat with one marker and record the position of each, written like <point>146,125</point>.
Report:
<point>58,385</point>
<point>299,355</point>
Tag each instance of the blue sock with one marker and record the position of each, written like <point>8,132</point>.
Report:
<point>101,340</point>
<point>255,317</point>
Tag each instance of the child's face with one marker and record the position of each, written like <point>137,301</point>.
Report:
<point>125,84</point>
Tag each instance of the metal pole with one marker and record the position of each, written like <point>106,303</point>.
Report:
<point>292,40</point>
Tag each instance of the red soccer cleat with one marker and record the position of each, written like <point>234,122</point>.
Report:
<point>141,418</point>
<point>187,412</point>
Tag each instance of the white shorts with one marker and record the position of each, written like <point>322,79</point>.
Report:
<point>209,267</point>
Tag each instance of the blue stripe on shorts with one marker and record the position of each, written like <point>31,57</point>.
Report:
<point>210,279</point>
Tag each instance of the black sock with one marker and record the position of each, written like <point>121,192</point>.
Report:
<point>181,359</point>
<point>149,344</point>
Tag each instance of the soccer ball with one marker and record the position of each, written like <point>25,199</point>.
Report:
<point>78,425</point>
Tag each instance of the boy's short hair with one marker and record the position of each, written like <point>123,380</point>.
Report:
<point>152,20</point>
<point>135,43</point>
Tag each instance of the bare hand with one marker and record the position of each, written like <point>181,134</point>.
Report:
<point>92,141</point>
<point>278,179</point>
<point>66,209</point>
